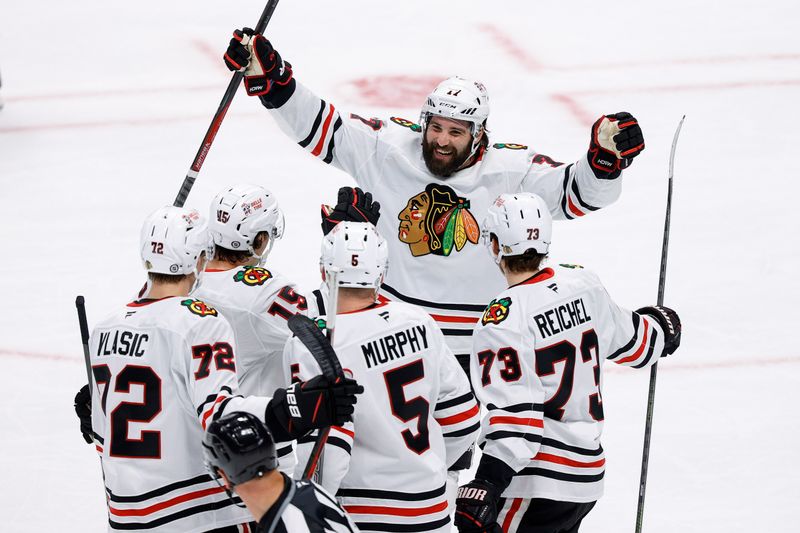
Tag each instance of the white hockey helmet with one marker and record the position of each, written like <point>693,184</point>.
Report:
<point>358,252</point>
<point>459,99</point>
<point>520,221</point>
<point>241,212</point>
<point>172,240</point>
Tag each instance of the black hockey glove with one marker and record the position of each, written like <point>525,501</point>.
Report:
<point>616,140</point>
<point>354,205</point>
<point>476,508</point>
<point>310,405</point>
<point>261,63</point>
<point>669,321</point>
<point>83,408</point>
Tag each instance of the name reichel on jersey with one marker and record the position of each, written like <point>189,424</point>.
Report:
<point>432,225</point>
<point>537,367</point>
<point>164,369</point>
<point>416,417</point>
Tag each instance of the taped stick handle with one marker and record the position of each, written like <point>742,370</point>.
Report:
<point>219,116</point>
<point>80,305</point>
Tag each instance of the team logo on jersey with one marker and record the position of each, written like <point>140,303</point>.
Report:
<point>509,146</point>
<point>321,324</point>
<point>251,276</point>
<point>199,308</point>
<point>569,266</point>
<point>406,124</point>
<point>497,311</point>
<point>436,221</point>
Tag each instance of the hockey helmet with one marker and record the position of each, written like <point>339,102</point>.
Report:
<point>358,252</point>
<point>521,222</point>
<point>172,239</point>
<point>241,212</point>
<point>241,446</point>
<point>460,99</point>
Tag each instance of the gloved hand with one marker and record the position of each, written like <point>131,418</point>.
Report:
<point>261,63</point>
<point>616,140</point>
<point>83,408</point>
<point>669,321</point>
<point>310,405</point>
<point>354,205</point>
<point>476,508</point>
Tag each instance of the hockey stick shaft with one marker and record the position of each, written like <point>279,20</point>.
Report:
<point>662,278</point>
<point>316,459</point>
<point>80,305</point>
<point>219,116</point>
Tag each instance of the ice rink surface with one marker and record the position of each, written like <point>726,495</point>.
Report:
<point>106,103</point>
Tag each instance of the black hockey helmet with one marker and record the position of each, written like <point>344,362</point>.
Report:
<point>240,445</point>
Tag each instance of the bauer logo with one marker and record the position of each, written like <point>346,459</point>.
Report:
<point>199,308</point>
<point>497,311</point>
<point>252,276</point>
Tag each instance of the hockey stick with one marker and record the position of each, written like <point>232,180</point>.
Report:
<point>662,278</point>
<point>84,326</point>
<point>219,116</point>
<point>321,348</point>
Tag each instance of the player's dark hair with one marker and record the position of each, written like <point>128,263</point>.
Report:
<point>529,261</point>
<point>238,256</point>
<point>166,279</point>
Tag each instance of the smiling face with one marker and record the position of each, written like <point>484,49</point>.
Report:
<point>412,224</point>
<point>446,145</point>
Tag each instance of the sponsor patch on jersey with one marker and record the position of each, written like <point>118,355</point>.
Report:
<point>252,276</point>
<point>437,221</point>
<point>496,311</point>
<point>199,307</point>
<point>565,265</point>
<point>509,146</point>
<point>406,124</point>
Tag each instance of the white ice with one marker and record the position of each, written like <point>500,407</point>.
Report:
<point>106,104</point>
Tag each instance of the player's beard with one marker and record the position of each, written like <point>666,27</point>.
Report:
<point>441,168</point>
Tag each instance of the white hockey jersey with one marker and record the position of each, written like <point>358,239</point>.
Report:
<point>537,366</point>
<point>164,369</point>
<point>257,302</point>
<point>432,225</point>
<point>417,416</point>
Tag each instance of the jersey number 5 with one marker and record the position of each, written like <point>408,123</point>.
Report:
<point>407,410</point>
<point>148,445</point>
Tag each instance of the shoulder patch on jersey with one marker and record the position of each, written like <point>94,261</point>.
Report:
<point>406,124</point>
<point>509,146</point>
<point>541,159</point>
<point>374,123</point>
<point>496,311</point>
<point>252,276</point>
<point>321,324</point>
<point>565,265</point>
<point>199,307</point>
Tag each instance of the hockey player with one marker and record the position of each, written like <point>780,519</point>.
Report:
<point>164,368</point>
<point>435,179</point>
<point>537,365</point>
<point>388,467</point>
<point>240,452</point>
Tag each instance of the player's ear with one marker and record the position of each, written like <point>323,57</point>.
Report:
<point>225,480</point>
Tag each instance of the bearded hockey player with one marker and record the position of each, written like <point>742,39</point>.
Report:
<point>436,179</point>
<point>240,453</point>
<point>388,467</point>
<point>537,365</point>
<point>164,368</point>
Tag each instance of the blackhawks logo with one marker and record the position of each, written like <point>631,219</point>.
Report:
<point>497,311</point>
<point>252,276</point>
<point>436,221</point>
<point>509,146</point>
<point>570,266</point>
<point>199,308</point>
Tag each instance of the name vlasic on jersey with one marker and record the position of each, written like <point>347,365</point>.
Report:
<point>163,370</point>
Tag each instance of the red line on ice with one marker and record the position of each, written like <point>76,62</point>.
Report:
<point>109,93</point>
